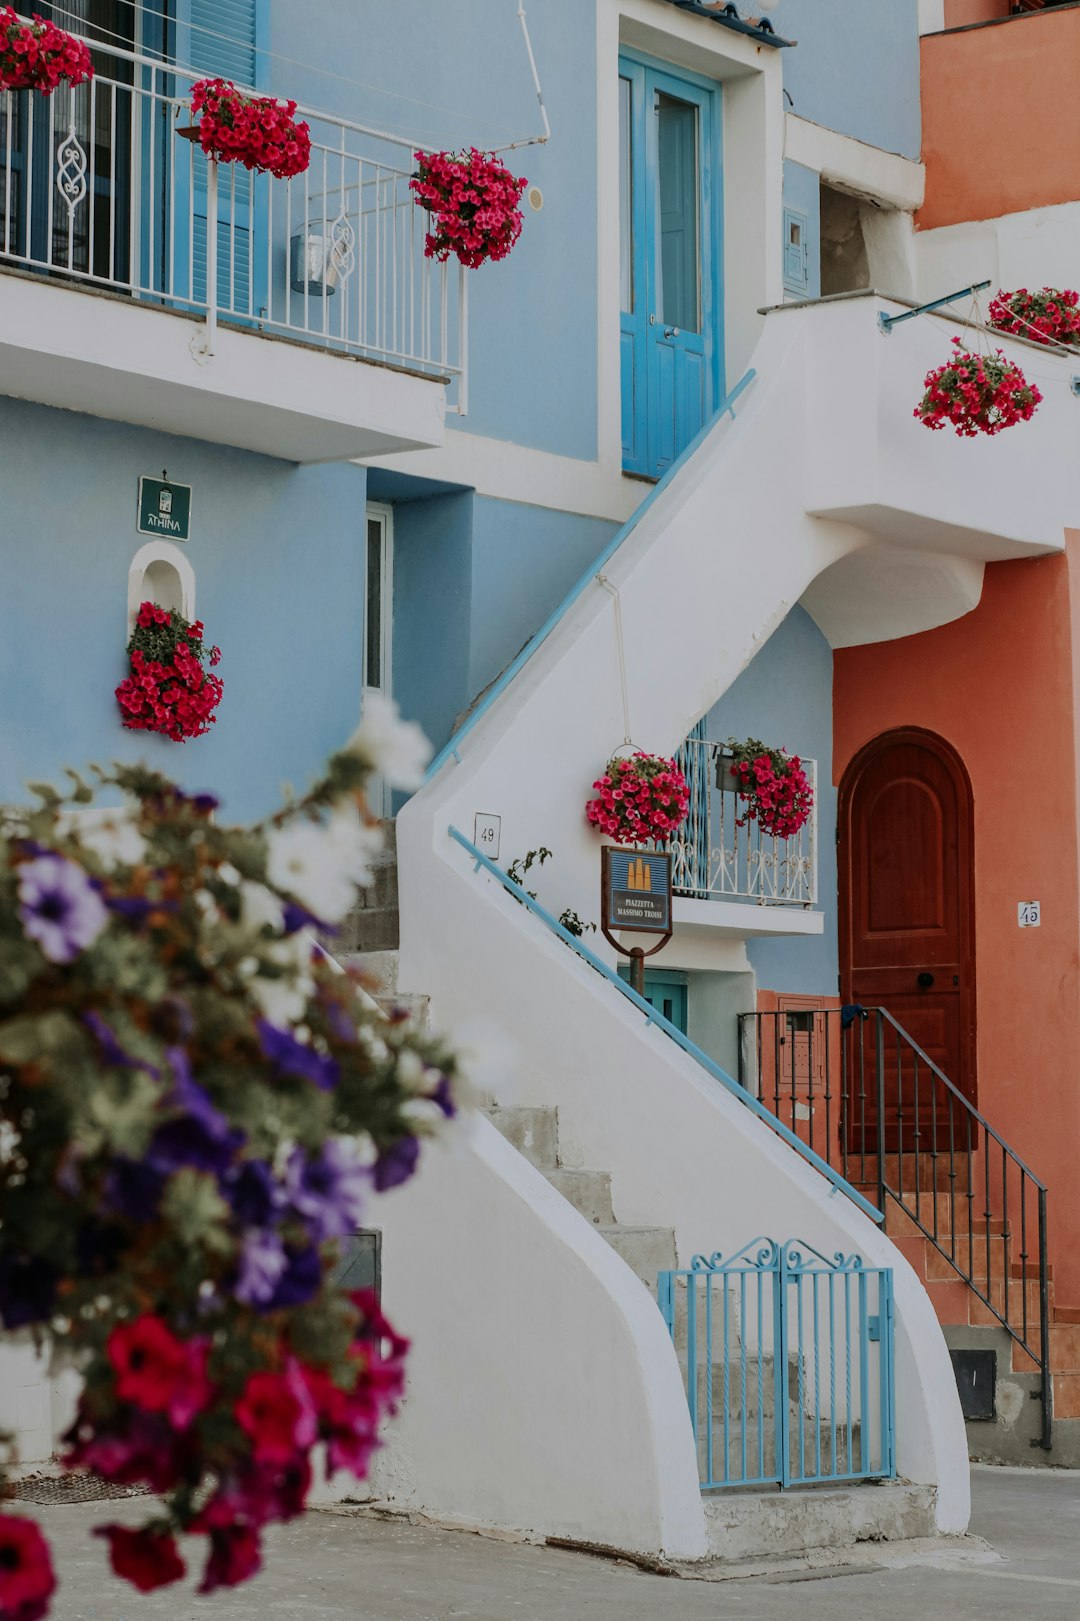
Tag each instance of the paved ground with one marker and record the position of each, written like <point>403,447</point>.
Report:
<point>331,1568</point>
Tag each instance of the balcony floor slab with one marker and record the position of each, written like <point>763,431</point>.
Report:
<point>81,349</point>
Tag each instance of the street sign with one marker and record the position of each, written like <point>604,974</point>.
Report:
<point>164,509</point>
<point>637,891</point>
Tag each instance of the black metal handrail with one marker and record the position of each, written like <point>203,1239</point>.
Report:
<point>864,1095</point>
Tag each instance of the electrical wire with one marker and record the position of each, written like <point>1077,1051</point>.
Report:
<point>138,6</point>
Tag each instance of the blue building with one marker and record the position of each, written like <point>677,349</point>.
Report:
<point>632,484</point>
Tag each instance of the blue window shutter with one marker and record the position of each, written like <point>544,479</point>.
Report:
<point>796,253</point>
<point>226,39</point>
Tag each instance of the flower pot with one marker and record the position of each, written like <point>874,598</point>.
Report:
<point>726,780</point>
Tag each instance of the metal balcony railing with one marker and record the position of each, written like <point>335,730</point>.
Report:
<point>719,854</point>
<point>100,186</point>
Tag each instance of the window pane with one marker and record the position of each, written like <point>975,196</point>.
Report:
<point>626,200</point>
<point>679,251</point>
<point>373,672</point>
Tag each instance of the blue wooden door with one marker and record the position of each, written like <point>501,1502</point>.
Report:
<point>667,991</point>
<point>671,337</point>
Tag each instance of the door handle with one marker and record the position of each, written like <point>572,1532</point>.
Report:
<point>924,980</point>
<point>671,332</point>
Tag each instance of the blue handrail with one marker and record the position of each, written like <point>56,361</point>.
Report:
<point>499,687</point>
<point>707,1064</point>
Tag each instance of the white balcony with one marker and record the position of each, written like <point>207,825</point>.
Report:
<point>109,219</point>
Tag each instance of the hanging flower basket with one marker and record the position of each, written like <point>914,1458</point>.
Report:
<point>39,56</point>
<point>473,200</point>
<point>198,1110</point>
<point>639,799</point>
<point>772,785</point>
<point>977,394</point>
<point>168,691</point>
<point>257,131</point>
<point>1048,316</point>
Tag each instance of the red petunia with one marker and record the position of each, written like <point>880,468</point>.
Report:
<point>26,1573</point>
<point>159,1373</point>
<point>277,1412</point>
<point>235,1556</point>
<point>144,1557</point>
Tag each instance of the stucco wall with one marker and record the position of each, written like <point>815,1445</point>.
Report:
<point>855,68</point>
<point>278,557</point>
<point>784,697</point>
<point>999,685</point>
<point>979,165</point>
<point>452,82</point>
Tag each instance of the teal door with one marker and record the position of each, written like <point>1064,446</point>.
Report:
<point>666,991</point>
<point>671,333</point>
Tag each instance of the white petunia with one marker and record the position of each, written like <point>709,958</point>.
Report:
<point>260,907</point>
<point>107,832</point>
<point>397,749</point>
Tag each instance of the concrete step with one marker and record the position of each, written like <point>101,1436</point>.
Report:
<point>533,1132</point>
<point>751,1525</point>
<point>372,925</point>
<point>646,1250</point>
<point>379,968</point>
<point>398,1005</point>
<point>587,1191</point>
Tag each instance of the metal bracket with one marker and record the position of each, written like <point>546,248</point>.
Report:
<point>1074,384</point>
<point>873,1328</point>
<point>887,322</point>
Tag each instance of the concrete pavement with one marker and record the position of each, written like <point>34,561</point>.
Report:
<point>332,1567</point>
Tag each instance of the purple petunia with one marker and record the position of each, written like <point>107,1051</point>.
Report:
<point>133,1189</point>
<point>253,1195</point>
<point>289,1056</point>
<point>396,1164</point>
<point>301,1279</point>
<point>263,1264</point>
<point>60,907</point>
<point>111,1050</point>
<point>327,1191</point>
<point>201,1137</point>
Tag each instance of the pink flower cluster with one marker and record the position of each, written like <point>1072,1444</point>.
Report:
<point>1048,316</point>
<point>775,789</point>
<point>474,200</point>
<point>170,1407</point>
<point>257,131</point>
<point>38,55</point>
<point>168,691</point>
<point>977,394</point>
<point>643,798</point>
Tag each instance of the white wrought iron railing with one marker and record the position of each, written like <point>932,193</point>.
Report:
<point>719,853</point>
<point>99,185</point>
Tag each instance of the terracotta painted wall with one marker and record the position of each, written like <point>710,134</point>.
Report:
<point>1001,118</point>
<point>999,685</point>
<point>961,13</point>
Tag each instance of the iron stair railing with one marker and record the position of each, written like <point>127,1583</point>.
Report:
<point>867,1099</point>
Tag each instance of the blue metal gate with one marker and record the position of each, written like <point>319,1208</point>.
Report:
<point>787,1359</point>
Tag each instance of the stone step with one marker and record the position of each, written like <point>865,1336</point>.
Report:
<point>750,1524</point>
<point>372,925</point>
<point>534,1132</point>
<point>753,1456</point>
<point>646,1250</point>
<point>588,1191</point>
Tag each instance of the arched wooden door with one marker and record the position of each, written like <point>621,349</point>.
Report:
<point>906,877</point>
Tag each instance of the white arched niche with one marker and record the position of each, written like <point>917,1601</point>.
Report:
<point>160,573</point>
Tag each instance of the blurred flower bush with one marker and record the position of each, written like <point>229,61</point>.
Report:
<point>196,1106</point>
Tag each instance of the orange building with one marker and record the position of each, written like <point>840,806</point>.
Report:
<point>956,758</point>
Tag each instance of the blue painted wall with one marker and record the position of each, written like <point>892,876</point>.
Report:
<point>278,557</point>
<point>432,609</point>
<point>784,697</point>
<point>524,561</point>
<point>855,68</point>
<point>458,76</point>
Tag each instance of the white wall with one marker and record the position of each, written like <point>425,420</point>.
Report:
<point>1040,247</point>
<point>544,1395</point>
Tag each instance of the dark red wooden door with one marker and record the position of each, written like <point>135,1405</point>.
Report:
<point>906,893</point>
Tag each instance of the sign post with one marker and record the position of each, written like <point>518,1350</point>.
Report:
<point>635,898</point>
